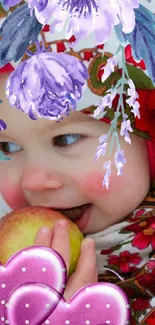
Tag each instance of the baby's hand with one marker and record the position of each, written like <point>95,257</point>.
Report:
<point>58,239</point>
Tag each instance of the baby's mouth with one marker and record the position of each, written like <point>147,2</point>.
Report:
<point>74,213</point>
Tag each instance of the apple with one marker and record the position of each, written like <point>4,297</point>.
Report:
<point>18,230</point>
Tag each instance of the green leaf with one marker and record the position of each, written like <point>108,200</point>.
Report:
<point>139,77</point>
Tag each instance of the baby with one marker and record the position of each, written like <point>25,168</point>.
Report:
<point>52,165</point>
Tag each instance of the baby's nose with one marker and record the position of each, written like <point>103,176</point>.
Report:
<point>38,179</point>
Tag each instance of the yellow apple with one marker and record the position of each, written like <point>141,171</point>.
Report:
<point>18,230</point>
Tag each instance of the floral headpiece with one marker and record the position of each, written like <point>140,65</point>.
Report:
<point>49,84</point>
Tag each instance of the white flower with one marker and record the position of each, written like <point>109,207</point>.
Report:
<point>119,161</point>
<point>109,68</point>
<point>87,16</point>
<point>107,168</point>
<point>132,100</point>
<point>125,129</point>
<point>106,101</point>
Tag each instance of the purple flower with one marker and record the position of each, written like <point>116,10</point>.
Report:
<point>107,168</point>
<point>131,101</point>
<point>125,129</point>
<point>125,12</point>
<point>109,68</point>
<point>3,125</point>
<point>105,102</point>
<point>48,85</point>
<point>6,4</point>
<point>101,150</point>
<point>87,16</point>
<point>119,161</point>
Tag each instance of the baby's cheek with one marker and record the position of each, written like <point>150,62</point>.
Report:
<point>91,184</point>
<point>13,195</point>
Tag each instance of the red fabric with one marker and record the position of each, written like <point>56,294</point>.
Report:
<point>151,152</point>
<point>7,68</point>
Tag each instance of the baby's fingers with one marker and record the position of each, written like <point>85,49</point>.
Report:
<point>43,237</point>
<point>86,271</point>
<point>60,240</point>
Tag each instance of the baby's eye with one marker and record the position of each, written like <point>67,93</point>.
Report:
<point>10,147</point>
<point>66,139</point>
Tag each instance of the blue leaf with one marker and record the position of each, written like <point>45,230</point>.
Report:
<point>142,39</point>
<point>18,30</point>
<point>4,157</point>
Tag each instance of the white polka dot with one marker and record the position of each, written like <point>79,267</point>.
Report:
<point>6,305</point>
<point>64,269</point>
<point>27,321</point>
<point>6,321</point>
<point>3,302</point>
<point>87,305</point>
<point>47,305</point>
<point>23,269</point>
<point>107,305</point>
<point>128,306</point>
<point>67,321</point>
<point>24,253</point>
<point>88,289</point>
<point>3,285</point>
<point>44,269</point>
<point>67,305</point>
<point>2,318</point>
<point>3,269</point>
<point>107,321</point>
<point>47,321</point>
<point>63,285</point>
<point>27,305</point>
<point>87,321</point>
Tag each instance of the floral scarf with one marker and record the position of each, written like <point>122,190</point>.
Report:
<point>126,256</point>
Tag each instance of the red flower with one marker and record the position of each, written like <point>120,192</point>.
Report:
<point>145,233</point>
<point>61,47</point>
<point>106,251</point>
<point>151,265</point>
<point>124,260</point>
<point>130,59</point>
<point>46,28</point>
<point>147,112</point>
<point>148,281</point>
<point>140,304</point>
<point>88,55</point>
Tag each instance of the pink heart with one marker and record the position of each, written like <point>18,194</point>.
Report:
<point>97,304</point>
<point>32,265</point>
<point>30,304</point>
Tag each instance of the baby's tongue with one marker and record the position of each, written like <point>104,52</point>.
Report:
<point>74,213</point>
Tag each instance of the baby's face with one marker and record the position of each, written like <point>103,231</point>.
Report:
<point>53,165</point>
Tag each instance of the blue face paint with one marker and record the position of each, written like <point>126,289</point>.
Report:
<point>3,157</point>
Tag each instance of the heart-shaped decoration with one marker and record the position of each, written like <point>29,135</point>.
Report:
<point>97,304</point>
<point>32,265</point>
<point>30,304</point>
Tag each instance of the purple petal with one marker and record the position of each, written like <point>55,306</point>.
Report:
<point>48,84</point>
<point>3,125</point>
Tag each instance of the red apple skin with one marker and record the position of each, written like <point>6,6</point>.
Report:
<point>18,230</point>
